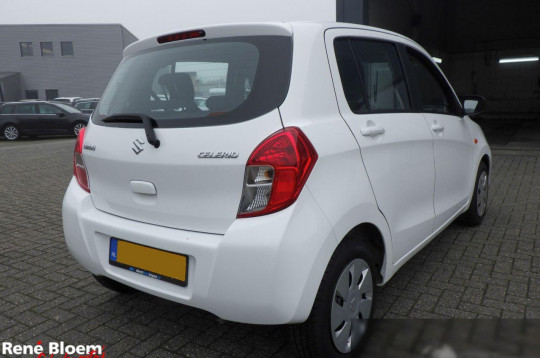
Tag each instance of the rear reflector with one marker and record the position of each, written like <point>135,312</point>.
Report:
<point>181,36</point>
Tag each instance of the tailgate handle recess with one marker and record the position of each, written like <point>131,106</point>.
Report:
<point>143,187</point>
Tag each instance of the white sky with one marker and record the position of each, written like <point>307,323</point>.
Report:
<point>151,17</point>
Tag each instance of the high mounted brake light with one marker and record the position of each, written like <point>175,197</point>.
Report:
<point>276,172</point>
<point>79,168</point>
<point>181,36</point>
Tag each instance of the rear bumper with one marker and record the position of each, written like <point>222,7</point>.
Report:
<point>264,270</point>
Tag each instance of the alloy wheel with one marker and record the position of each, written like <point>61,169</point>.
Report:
<point>77,128</point>
<point>11,133</point>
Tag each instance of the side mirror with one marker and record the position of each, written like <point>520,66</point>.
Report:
<point>472,104</point>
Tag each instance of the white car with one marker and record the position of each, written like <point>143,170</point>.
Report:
<point>336,153</point>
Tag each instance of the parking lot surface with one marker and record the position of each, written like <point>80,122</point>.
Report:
<point>490,271</point>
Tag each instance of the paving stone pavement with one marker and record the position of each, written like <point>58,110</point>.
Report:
<point>491,271</point>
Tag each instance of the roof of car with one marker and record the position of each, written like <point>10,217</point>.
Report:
<point>254,29</point>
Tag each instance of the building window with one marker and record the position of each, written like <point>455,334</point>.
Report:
<point>26,49</point>
<point>31,94</point>
<point>46,49</point>
<point>67,48</point>
<point>51,94</point>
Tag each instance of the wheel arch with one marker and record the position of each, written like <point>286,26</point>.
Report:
<point>370,234</point>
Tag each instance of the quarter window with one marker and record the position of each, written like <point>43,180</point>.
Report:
<point>66,48</point>
<point>372,78</point>
<point>26,49</point>
<point>7,110</point>
<point>435,94</point>
<point>46,49</point>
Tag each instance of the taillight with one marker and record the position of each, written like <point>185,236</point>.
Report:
<point>79,169</point>
<point>276,172</point>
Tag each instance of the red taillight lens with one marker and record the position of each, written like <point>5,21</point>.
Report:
<point>181,36</point>
<point>276,172</point>
<point>79,169</point>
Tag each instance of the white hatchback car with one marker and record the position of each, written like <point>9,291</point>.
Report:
<point>335,153</point>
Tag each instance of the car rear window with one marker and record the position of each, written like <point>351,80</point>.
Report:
<point>202,83</point>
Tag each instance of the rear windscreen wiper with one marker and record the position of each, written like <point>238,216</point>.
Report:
<point>148,124</point>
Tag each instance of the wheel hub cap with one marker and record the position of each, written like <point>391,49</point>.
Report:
<point>351,305</point>
<point>482,193</point>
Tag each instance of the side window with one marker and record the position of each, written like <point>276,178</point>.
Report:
<point>382,75</point>
<point>350,77</point>
<point>7,110</point>
<point>48,109</point>
<point>435,94</point>
<point>26,109</point>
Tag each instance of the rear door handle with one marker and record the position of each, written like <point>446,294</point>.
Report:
<point>371,131</point>
<point>437,127</point>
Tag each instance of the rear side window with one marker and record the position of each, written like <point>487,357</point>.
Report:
<point>26,109</point>
<point>7,110</point>
<point>435,94</point>
<point>201,83</point>
<point>379,80</point>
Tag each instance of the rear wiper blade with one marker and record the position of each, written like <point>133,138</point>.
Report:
<point>148,124</point>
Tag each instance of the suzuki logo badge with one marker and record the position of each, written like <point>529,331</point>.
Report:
<point>138,145</point>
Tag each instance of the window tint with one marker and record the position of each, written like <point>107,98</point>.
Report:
<point>26,49</point>
<point>382,75</point>
<point>7,109</point>
<point>241,78</point>
<point>48,109</point>
<point>435,95</point>
<point>371,75</point>
<point>46,49</point>
<point>350,77</point>
<point>27,108</point>
<point>66,48</point>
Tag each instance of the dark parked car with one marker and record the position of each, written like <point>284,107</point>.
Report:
<point>86,106</point>
<point>36,118</point>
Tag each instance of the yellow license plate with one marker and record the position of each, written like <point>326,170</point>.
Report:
<point>159,264</point>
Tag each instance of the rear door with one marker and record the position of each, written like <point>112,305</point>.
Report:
<point>453,144</point>
<point>51,119</point>
<point>395,142</point>
<point>28,117</point>
<point>194,179</point>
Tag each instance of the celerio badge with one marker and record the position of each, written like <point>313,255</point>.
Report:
<point>218,155</point>
<point>138,145</point>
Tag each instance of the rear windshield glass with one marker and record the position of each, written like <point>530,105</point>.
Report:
<point>201,83</point>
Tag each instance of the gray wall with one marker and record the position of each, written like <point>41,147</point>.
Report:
<point>97,52</point>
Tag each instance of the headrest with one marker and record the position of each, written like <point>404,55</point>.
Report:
<point>179,85</point>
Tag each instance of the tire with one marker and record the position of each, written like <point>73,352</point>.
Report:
<point>11,132</point>
<point>332,313</point>
<point>114,285</point>
<point>477,210</point>
<point>77,127</point>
